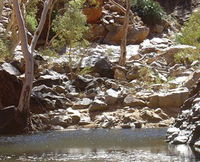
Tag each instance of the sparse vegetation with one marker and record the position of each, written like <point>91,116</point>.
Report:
<point>150,11</point>
<point>190,35</point>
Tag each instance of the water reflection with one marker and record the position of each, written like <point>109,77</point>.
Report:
<point>95,145</point>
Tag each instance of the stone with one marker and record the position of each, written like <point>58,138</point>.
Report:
<point>104,68</point>
<point>10,89</point>
<point>173,98</point>
<point>111,96</point>
<point>135,35</point>
<point>82,103</point>
<point>10,69</point>
<point>97,32</point>
<point>81,83</point>
<point>192,79</point>
<point>132,101</point>
<point>98,105</point>
<point>150,116</point>
<point>93,14</point>
<point>133,73</point>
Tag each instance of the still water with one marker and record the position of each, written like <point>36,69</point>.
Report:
<point>98,145</point>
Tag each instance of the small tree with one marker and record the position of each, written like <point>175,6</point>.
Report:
<point>24,102</point>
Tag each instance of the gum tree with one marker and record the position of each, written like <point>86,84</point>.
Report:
<point>24,102</point>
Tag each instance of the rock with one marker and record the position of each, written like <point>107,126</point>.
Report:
<point>82,103</point>
<point>192,79</point>
<point>61,120</point>
<point>130,100</point>
<point>10,69</point>
<point>93,14</point>
<point>150,116</point>
<point>81,83</point>
<point>49,79</point>
<point>133,73</point>
<point>10,89</point>
<point>135,35</point>
<point>187,126</point>
<point>97,32</point>
<point>111,96</point>
<point>173,98</point>
<point>98,105</point>
<point>104,68</point>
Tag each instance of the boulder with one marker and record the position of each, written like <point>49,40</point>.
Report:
<point>132,101</point>
<point>135,35</point>
<point>82,103</point>
<point>171,99</point>
<point>111,96</point>
<point>104,67</point>
<point>98,105</point>
<point>10,89</point>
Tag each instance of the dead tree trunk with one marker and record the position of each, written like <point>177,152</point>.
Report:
<point>122,59</point>
<point>119,74</point>
<point>24,102</point>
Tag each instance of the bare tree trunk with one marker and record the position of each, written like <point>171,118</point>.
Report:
<point>24,102</point>
<point>119,74</point>
<point>122,59</point>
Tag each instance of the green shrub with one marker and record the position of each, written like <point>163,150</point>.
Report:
<point>71,26</point>
<point>30,18</point>
<point>191,31</point>
<point>150,11</point>
<point>190,34</point>
<point>4,50</point>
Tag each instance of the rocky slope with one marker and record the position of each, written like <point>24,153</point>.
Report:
<point>149,95</point>
<point>187,125</point>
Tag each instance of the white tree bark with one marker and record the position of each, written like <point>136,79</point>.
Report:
<point>24,102</point>
<point>27,86</point>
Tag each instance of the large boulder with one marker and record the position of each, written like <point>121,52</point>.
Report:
<point>135,35</point>
<point>104,67</point>
<point>10,89</point>
<point>172,99</point>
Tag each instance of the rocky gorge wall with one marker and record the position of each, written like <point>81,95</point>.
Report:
<point>186,128</point>
<point>181,9</point>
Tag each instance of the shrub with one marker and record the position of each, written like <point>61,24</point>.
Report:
<point>150,11</point>
<point>190,34</point>
<point>4,50</point>
<point>191,31</point>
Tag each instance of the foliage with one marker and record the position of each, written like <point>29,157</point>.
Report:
<point>85,71</point>
<point>191,31</point>
<point>70,27</point>
<point>190,35</point>
<point>187,56</point>
<point>4,49</point>
<point>30,18</point>
<point>150,11</point>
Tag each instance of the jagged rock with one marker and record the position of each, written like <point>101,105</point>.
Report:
<point>81,83</point>
<point>82,103</point>
<point>104,68</point>
<point>187,126</point>
<point>10,69</point>
<point>135,35</point>
<point>150,116</point>
<point>10,89</point>
<point>132,101</point>
<point>192,79</point>
<point>171,99</point>
<point>50,78</point>
<point>111,96</point>
<point>98,105</point>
